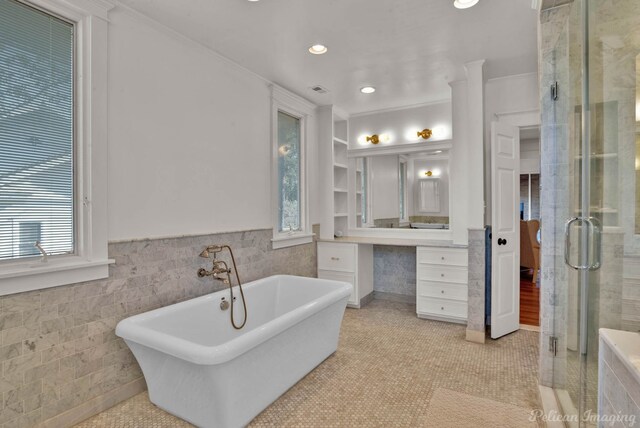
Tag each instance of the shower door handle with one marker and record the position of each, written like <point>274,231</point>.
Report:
<point>594,243</point>
<point>596,236</point>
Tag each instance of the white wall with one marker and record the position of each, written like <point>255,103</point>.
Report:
<point>509,94</point>
<point>189,137</point>
<point>401,123</point>
<point>530,156</point>
<point>385,202</point>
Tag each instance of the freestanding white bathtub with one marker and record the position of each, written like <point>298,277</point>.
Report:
<point>199,368</point>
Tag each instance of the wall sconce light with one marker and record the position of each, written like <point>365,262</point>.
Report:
<point>284,149</point>
<point>428,173</point>
<point>425,133</point>
<point>373,139</point>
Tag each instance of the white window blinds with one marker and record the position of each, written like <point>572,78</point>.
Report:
<point>36,132</point>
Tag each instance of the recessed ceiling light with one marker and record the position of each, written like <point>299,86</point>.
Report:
<point>318,49</point>
<point>367,90</point>
<point>464,4</point>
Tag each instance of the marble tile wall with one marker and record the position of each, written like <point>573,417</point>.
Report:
<point>631,294</point>
<point>388,223</point>
<point>476,303</point>
<point>428,219</point>
<point>58,347</point>
<point>619,390</point>
<point>394,270</point>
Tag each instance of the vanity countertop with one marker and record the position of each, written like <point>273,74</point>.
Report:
<point>399,242</point>
<point>626,345</point>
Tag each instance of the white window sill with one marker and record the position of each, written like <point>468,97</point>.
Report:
<point>35,275</point>
<point>284,241</point>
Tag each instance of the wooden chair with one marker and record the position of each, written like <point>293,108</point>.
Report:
<point>529,246</point>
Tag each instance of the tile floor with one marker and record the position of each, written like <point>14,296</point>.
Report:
<point>388,367</point>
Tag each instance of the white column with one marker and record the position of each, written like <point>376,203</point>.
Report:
<point>458,166</point>
<point>475,143</point>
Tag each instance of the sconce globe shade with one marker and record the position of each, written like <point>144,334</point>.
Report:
<point>367,89</point>
<point>464,4</point>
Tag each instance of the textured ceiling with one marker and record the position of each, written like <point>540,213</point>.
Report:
<point>408,49</point>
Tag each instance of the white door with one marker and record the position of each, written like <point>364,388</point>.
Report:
<point>505,242</point>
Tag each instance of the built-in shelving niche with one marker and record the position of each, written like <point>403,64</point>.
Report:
<point>340,174</point>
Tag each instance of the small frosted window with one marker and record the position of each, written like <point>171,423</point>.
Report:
<point>288,173</point>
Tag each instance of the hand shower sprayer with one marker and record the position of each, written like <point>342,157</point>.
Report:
<point>221,271</point>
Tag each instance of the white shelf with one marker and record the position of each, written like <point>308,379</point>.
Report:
<point>340,165</point>
<point>604,210</point>
<point>341,215</point>
<point>337,190</point>
<point>600,156</point>
<point>340,141</point>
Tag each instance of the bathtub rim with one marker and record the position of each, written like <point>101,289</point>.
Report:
<point>130,328</point>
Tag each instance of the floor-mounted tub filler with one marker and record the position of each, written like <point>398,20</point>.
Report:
<point>201,369</point>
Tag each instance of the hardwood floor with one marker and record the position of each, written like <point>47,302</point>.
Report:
<point>529,300</point>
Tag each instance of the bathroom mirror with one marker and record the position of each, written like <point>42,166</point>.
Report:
<point>403,190</point>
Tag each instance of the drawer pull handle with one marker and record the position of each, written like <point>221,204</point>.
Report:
<point>442,291</point>
<point>442,258</point>
<point>442,275</point>
<point>335,258</point>
<point>442,308</point>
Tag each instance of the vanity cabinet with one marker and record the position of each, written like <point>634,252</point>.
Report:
<point>442,276</point>
<point>352,263</point>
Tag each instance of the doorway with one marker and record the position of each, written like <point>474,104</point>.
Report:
<point>530,227</point>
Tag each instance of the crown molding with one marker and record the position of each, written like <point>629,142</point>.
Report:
<point>411,106</point>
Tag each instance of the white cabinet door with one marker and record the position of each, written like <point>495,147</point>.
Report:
<point>344,277</point>
<point>505,242</point>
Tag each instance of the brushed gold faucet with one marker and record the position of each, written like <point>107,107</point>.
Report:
<point>217,271</point>
<point>221,271</point>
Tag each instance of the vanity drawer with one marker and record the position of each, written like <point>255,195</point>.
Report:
<point>444,256</point>
<point>443,290</point>
<point>344,277</point>
<point>340,257</point>
<point>442,273</point>
<point>442,307</point>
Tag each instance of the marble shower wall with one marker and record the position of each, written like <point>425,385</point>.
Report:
<point>394,270</point>
<point>59,353</point>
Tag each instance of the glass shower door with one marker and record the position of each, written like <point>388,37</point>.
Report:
<point>591,149</point>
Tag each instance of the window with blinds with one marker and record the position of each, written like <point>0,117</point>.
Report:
<point>36,132</point>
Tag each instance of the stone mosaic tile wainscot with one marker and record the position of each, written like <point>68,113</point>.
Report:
<point>394,270</point>
<point>58,347</point>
